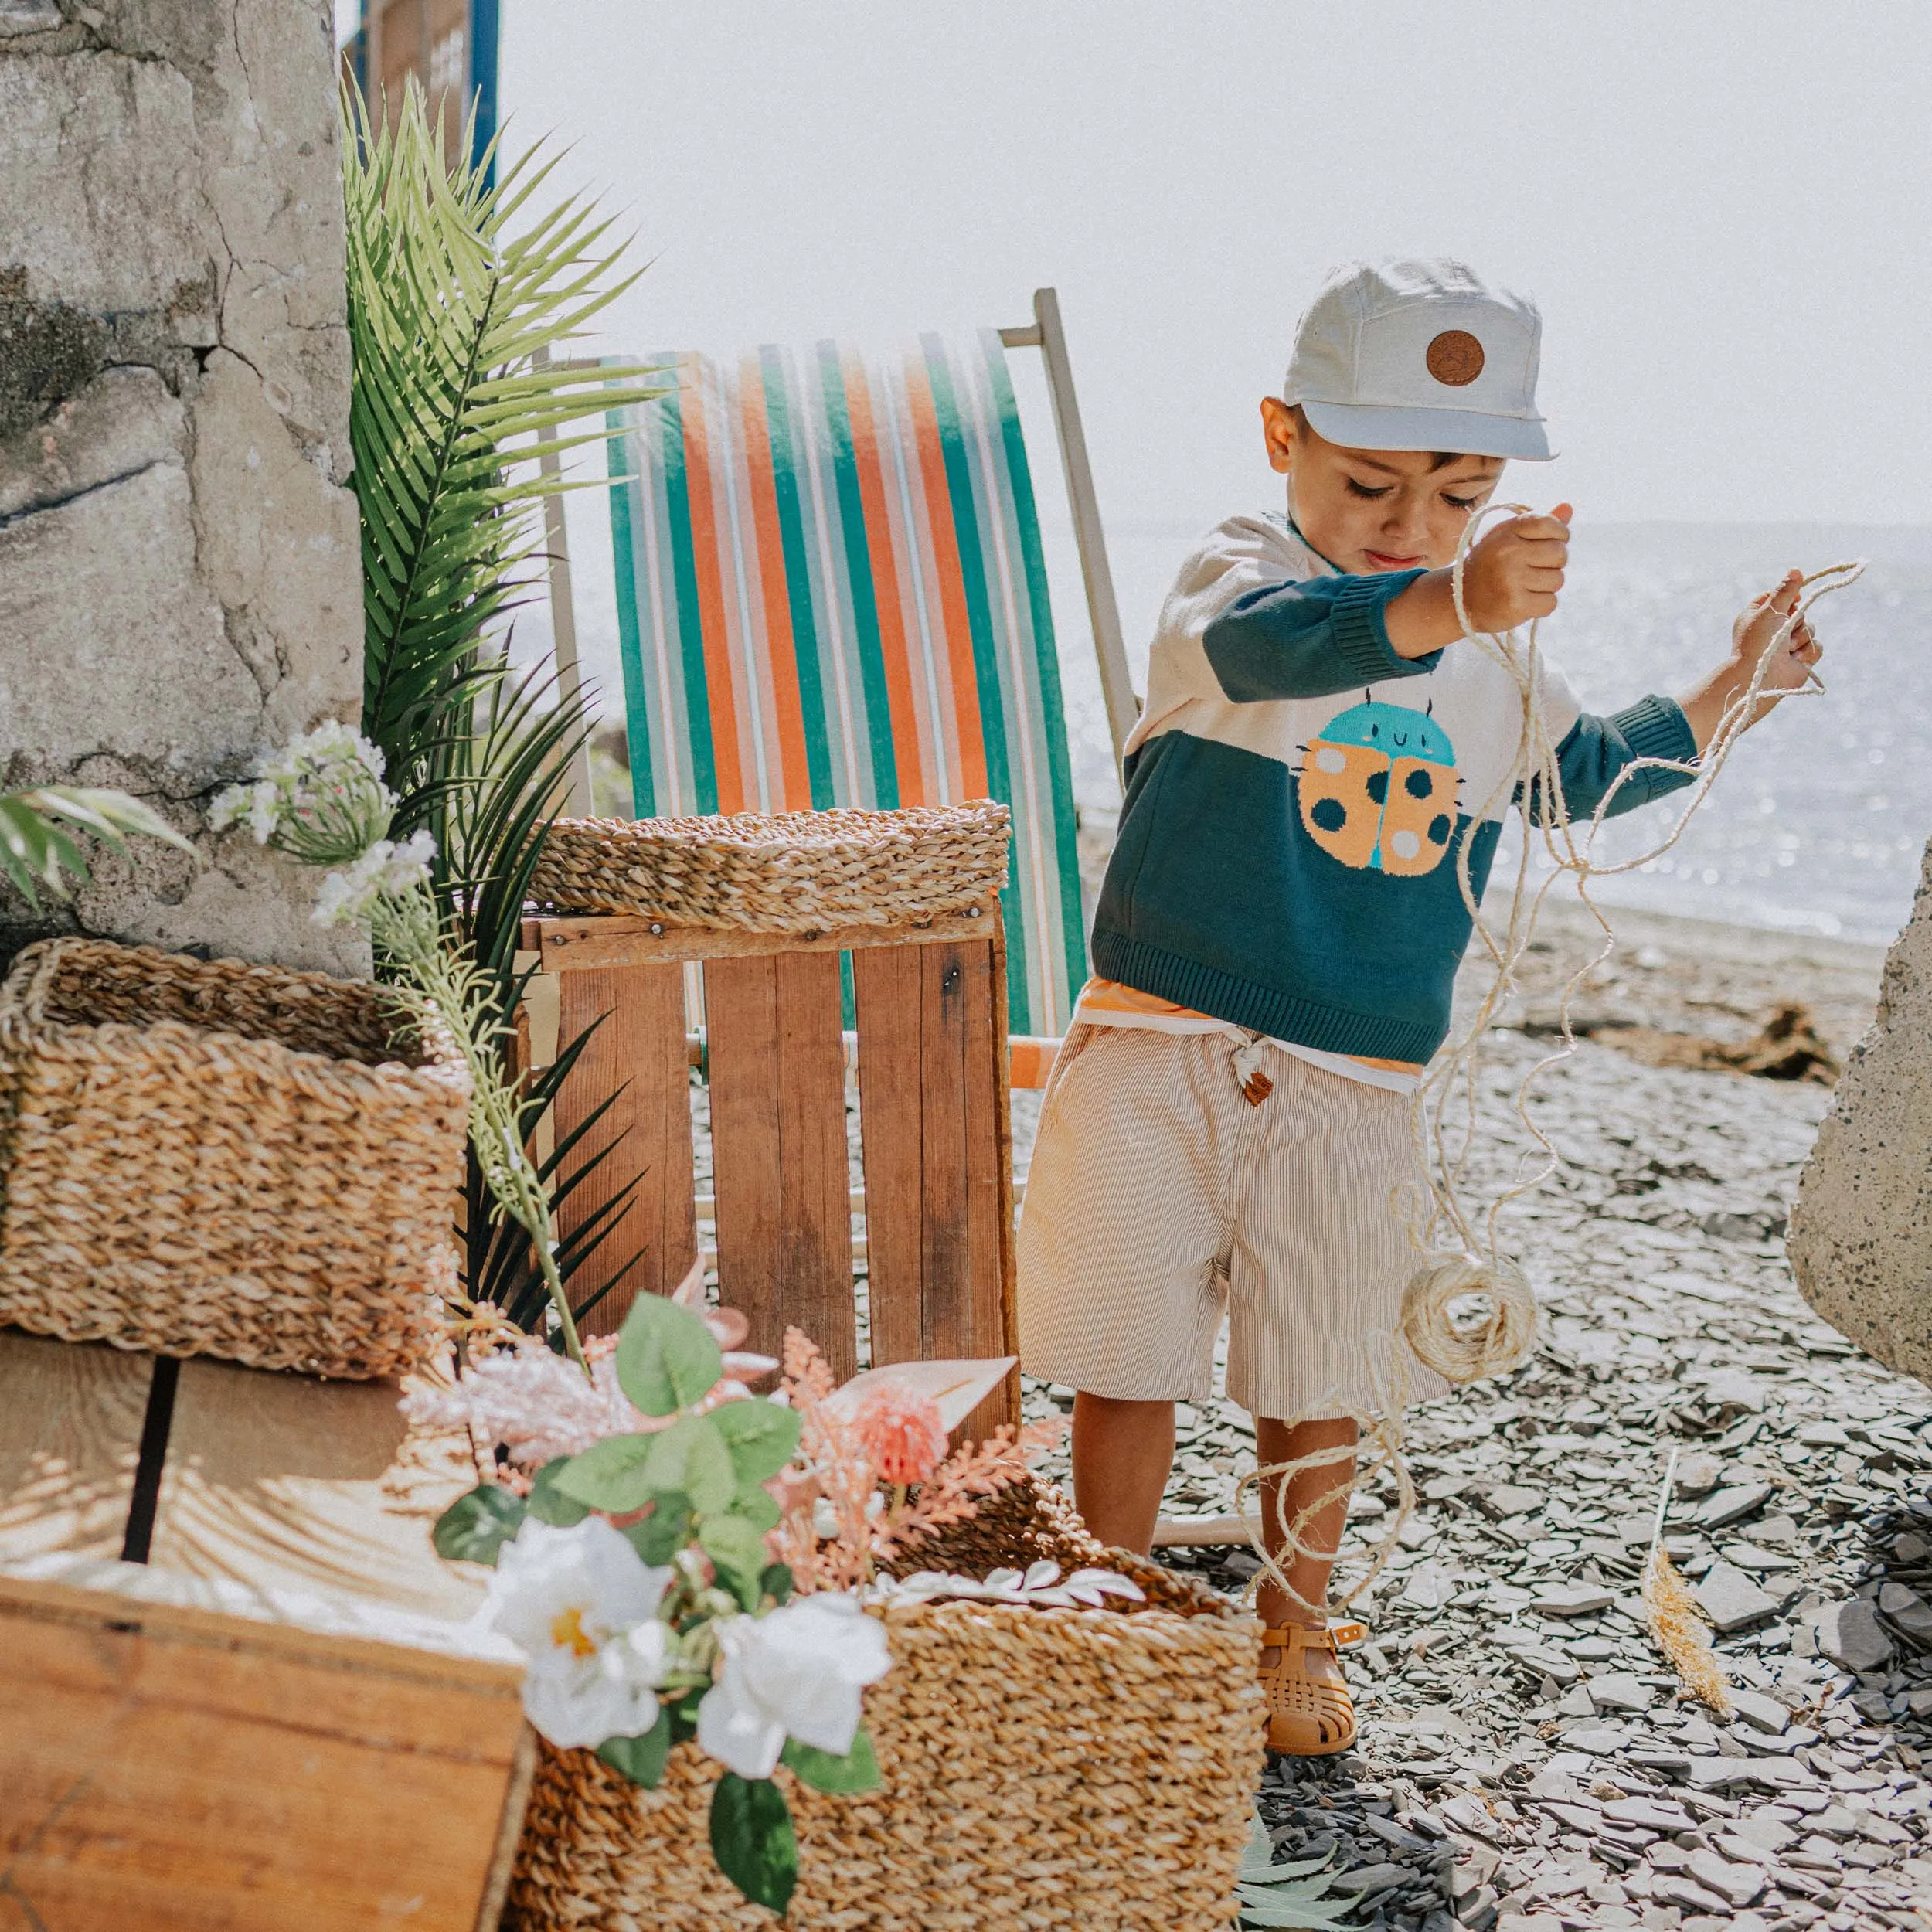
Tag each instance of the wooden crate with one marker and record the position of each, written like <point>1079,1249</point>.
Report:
<point>933,1104</point>
<point>277,1721</point>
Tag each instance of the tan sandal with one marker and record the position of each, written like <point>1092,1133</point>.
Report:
<point>1310,1712</point>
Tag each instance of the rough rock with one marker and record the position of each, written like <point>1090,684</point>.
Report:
<point>1724,1507</point>
<point>1849,1634</point>
<point>1755,1707</point>
<point>1730,1598</point>
<point>1861,1231</point>
<point>179,564</point>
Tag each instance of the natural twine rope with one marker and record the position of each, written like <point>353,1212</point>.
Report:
<point>1463,1263</point>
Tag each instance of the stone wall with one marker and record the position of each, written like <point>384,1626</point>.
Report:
<point>1861,1238</point>
<point>179,571</point>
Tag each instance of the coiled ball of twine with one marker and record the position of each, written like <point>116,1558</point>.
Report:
<point>1466,1351</point>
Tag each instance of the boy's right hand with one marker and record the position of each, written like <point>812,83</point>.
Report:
<point>1514,571</point>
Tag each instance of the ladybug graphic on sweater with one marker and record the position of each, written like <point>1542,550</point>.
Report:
<point>1378,789</point>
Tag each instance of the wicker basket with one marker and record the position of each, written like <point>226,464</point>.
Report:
<point>792,872</point>
<point>1043,1768</point>
<point>207,1157</point>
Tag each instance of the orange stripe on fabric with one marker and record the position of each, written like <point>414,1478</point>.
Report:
<point>781,651</point>
<point>711,612</point>
<point>952,584</point>
<point>892,647</point>
<point>1029,1060</point>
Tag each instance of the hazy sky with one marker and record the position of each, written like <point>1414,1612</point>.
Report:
<point>1723,208</point>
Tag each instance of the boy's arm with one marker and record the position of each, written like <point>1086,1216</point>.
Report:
<point>1309,638</point>
<point>1760,628</point>
<point>1595,749</point>
<point>1313,637</point>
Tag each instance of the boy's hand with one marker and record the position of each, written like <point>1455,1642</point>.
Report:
<point>1756,632</point>
<point>1512,574</point>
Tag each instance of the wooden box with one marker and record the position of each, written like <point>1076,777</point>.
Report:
<point>278,1719</point>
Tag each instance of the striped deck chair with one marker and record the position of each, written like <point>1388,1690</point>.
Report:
<point>831,591</point>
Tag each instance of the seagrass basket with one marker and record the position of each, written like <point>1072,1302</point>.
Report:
<point>208,1157</point>
<point>791,871</point>
<point>1042,1768</point>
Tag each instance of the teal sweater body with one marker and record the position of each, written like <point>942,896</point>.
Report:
<point>1298,795</point>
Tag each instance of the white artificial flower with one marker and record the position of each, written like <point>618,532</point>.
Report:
<point>385,870</point>
<point>570,1599</point>
<point>347,896</point>
<point>577,1702</point>
<point>795,1673</point>
<point>408,864</point>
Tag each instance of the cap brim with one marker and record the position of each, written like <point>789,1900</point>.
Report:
<point>1374,426</point>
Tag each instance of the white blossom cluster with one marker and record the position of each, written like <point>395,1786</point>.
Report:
<point>583,1606</point>
<point>385,870</point>
<point>321,797</point>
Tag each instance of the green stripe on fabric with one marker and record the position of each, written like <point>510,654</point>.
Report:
<point>1034,872</point>
<point>865,604</point>
<point>664,665</point>
<point>1053,707</point>
<point>624,458</point>
<point>959,488</point>
<point>697,700</point>
<point>786,456</point>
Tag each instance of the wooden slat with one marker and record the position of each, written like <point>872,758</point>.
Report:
<point>637,1054</point>
<point>70,1419</point>
<point>886,984</point>
<point>277,1481</point>
<point>937,1187</point>
<point>1003,1405</point>
<point>611,939</point>
<point>180,1770</point>
<point>778,1149</point>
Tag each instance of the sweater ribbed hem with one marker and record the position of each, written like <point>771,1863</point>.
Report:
<point>1656,727</point>
<point>1241,1003</point>
<point>1362,633</point>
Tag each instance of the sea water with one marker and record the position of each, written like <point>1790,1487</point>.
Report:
<point>1819,822</point>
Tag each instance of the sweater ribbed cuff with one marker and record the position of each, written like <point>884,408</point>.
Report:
<point>1656,727</point>
<point>1361,632</point>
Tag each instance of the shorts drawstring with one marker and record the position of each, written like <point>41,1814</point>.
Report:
<point>1255,1084</point>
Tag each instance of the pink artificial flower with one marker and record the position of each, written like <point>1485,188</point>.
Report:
<point>902,1432</point>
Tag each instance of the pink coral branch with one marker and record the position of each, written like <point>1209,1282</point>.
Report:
<point>862,1530</point>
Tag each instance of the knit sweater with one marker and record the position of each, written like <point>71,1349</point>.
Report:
<point>1297,794</point>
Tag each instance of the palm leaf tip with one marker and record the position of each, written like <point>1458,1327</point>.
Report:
<point>39,854</point>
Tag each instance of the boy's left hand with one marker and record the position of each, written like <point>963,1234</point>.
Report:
<point>1757,631</point>
<point>1760,628</point>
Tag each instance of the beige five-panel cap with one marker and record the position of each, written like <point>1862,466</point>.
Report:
<point>1419,355</point>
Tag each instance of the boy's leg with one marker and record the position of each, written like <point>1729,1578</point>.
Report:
<point>1310,1711</point>
<point>1122,1452</point>
<point>1275,1442</point>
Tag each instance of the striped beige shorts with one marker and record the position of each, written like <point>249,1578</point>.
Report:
<point>1160,1199</point>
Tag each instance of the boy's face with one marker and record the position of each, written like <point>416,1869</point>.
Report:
<point>1368,511</point>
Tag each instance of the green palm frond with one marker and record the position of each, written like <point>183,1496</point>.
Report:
<point>1292,1895</point>
<point>38,854</point>
<point>450,312</point>
<point>464,294</point>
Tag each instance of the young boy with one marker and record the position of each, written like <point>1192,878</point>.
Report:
<point>1281,925</point>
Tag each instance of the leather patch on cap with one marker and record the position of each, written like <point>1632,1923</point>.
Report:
<point>1455,358</point>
